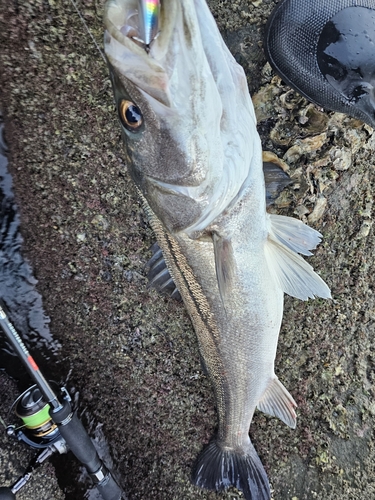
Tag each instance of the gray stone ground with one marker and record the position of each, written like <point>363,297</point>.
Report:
<point>133,355</point>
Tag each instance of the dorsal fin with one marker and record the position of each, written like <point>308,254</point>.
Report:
<point>159,276</point>
<point>275,179</point>
<point>294,234</point>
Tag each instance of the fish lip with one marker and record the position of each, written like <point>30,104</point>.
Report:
<point>113,31</point>
<point>148,72</point>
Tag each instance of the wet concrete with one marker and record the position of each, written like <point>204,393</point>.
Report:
<point>133,355</point>
<point>23,305</point>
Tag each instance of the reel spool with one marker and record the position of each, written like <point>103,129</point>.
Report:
<point>38,429</point>
<point>59,433</point>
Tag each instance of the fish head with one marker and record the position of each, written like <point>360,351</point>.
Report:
<point>185,112</point>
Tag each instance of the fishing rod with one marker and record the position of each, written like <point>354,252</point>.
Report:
<point>51,426</point>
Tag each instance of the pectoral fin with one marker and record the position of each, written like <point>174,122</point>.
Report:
<point>224,264</point>
<point>277,402</point>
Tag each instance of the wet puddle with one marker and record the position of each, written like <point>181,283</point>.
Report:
<point>17,286</point>
<point>25,309</point>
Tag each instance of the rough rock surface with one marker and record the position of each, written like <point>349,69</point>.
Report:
<point>133,355</point>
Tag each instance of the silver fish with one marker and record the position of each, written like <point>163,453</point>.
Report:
<point>194,153</point>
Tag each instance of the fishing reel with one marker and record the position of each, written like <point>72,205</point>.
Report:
<point>37,430</point>
<point>49,424</point>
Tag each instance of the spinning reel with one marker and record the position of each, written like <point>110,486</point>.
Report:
<point>51,426</point>
<point>37,430</point>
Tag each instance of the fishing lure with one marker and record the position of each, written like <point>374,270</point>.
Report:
<point>149,15</point>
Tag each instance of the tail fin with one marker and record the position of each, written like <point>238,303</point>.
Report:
<point>217,469</point>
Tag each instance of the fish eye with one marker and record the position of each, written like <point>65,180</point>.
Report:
<point>130,115</point>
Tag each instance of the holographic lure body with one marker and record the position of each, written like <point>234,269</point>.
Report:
<point>149,14</point>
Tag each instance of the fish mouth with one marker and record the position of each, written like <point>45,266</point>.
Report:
<point>122,18</point>
<point>188,49</point>
<point>196,93</point>
<point>148,66</point>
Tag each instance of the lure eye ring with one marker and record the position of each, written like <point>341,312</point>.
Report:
<point>130,115</point>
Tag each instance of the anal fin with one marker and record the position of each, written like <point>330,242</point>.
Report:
<point>277,402</point>
<point>294,275</point>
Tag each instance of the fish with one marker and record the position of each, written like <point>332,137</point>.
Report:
<point>195,156</point>
<point>325,51</point>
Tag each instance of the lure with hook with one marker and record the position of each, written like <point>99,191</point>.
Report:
<point>148,14</point>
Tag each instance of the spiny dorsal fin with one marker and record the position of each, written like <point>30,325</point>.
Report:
<point>159,276</point>
<point>294,276</point>
<point>277,402</point>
